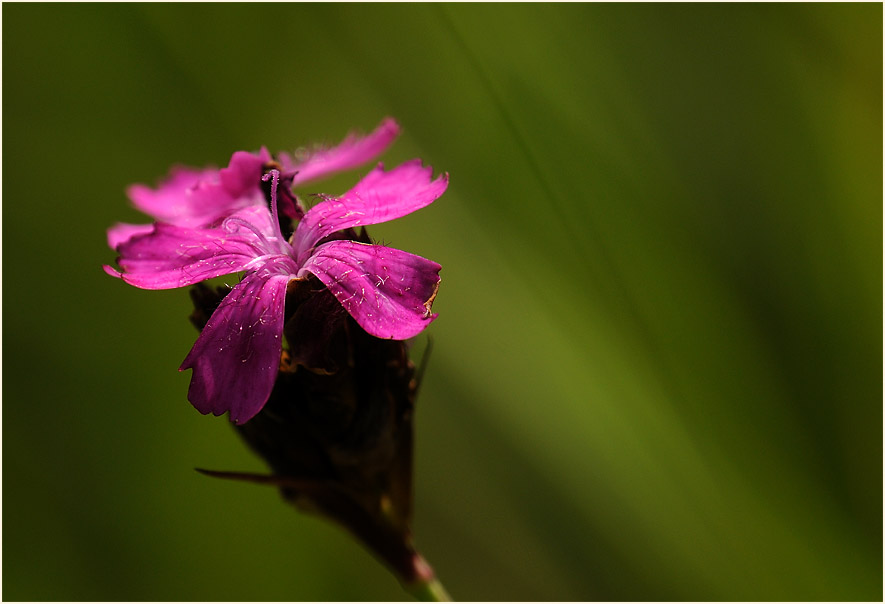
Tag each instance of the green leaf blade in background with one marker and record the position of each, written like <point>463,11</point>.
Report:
<point>656,374</point>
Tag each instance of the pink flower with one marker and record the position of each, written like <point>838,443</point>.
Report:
<point>388,292</point>
<point>202,197</point>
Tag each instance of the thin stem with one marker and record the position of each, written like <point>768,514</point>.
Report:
<point>425,586</point>
<point>430,591</point>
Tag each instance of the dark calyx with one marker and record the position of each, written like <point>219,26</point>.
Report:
<point>337,429</point>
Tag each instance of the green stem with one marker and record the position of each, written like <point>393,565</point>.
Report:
<point>430,591</point>
<point>422,582</point>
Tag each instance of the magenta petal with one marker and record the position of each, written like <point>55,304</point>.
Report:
<point>168,198</point>
<point>237,356</point>
<point>242,176</point>
<point>187,198</point>
<point>122,232</point>
<point>172,256</point>
<point>379,197</point>
<point>195,198</point>
<point>110,270</point>
<point>353,151</point>
<point>387,291</point>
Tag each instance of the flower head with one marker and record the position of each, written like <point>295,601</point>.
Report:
<point>235,360</point>
<point>192,197</point>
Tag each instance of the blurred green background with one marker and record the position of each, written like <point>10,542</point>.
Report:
<point>657,368</point>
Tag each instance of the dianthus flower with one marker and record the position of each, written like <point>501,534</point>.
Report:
<point>236,358</point>
<point>192,197</point>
